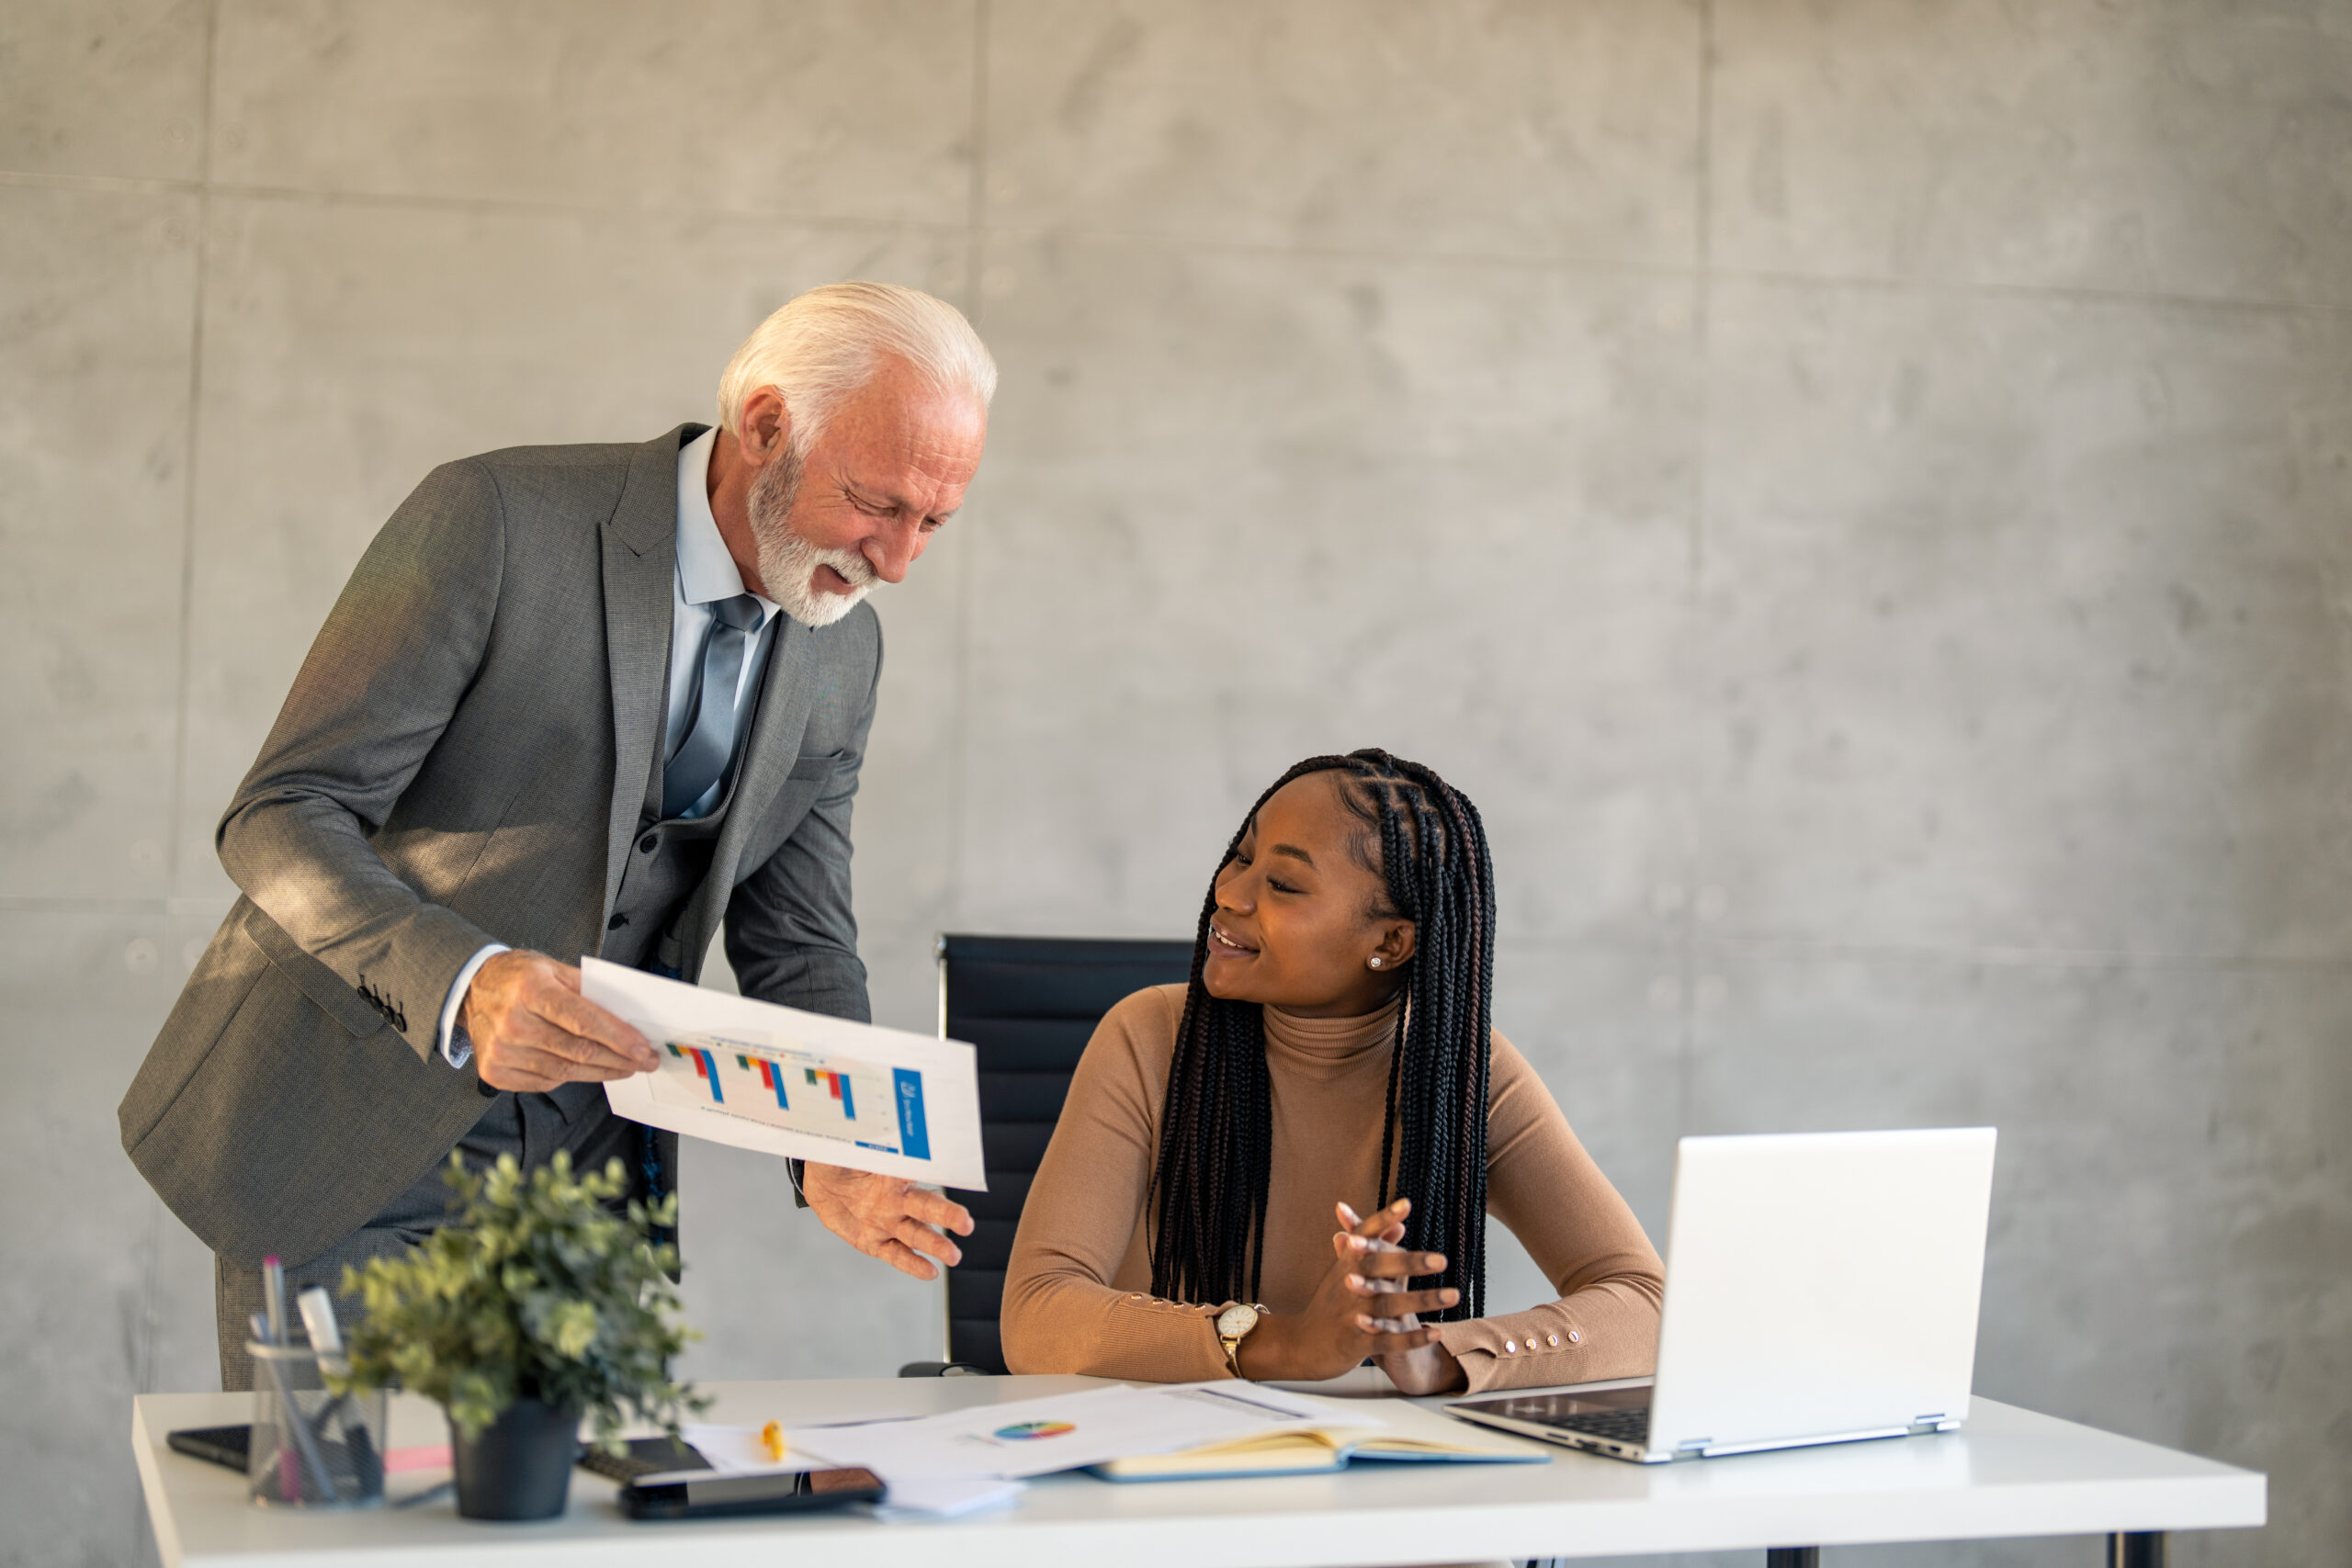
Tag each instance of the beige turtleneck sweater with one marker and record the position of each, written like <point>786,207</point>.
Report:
<point>1077,1293</point>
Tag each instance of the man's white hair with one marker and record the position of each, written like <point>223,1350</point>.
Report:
<point>827,343</point>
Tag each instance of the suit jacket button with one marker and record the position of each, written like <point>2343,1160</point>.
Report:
<point>650,842</point>
<point>616,922</point>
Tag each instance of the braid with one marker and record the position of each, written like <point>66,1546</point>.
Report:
<point>1216,1129</point>
<point>1209,1188</point>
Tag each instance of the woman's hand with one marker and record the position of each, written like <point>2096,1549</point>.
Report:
<point>1430,1369</point>
<point>1360,1308</point>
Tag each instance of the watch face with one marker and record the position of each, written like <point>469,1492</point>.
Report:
<point>1236,1320</point>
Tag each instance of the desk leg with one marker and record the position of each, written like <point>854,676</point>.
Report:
<point>2136,1550</point>
<point>1799,1556</point>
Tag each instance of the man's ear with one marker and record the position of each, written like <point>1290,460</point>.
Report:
<point>766,424</point>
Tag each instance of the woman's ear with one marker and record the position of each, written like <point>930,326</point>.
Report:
<point>1395,947</point>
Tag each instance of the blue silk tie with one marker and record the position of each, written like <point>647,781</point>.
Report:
<point>710,736</point>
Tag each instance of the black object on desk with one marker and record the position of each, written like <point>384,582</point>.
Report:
<point>231,1447</point>
<point>732,1497</point>
<point>228,1447</point>
<point>646,1456</point>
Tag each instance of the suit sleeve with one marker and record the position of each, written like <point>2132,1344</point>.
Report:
<point>791,932</point>
<point>395,657</point>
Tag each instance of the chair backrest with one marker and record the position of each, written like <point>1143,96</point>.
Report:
<point>1027,1005</point>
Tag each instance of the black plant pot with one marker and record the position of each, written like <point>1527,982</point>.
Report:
<point>520,1467</point>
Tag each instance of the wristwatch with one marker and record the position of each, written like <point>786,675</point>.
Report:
<point>1233,1326</point>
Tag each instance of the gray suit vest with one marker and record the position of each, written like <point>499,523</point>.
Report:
<point>667,862</point>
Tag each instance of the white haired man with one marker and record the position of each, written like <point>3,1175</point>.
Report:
<point>574,699</point>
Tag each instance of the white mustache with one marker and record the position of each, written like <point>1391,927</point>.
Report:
<point>855,568</point>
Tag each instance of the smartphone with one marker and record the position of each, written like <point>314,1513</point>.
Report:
<point>222,1445</point>
<point>646,1457</point>
<point>725,1495</point>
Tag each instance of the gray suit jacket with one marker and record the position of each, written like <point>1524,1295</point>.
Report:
<point>463,759</point>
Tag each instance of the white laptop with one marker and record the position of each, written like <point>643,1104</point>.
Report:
<point>1820,1287</point>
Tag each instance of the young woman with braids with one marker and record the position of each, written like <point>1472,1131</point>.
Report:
<point>1317,1126</point>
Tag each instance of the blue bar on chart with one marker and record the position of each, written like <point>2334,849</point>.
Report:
<point>836,1085</point>
<point>771,1077</point>
<point>706,1068</point>
<point>914,1138</point>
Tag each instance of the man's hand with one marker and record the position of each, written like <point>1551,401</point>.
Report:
<point>532,1030</point>
<point>887,1217</point>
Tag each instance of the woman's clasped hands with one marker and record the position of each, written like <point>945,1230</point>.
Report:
<point>1362,1308</point>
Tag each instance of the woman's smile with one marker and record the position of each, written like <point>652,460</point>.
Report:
<point>1224,946</point>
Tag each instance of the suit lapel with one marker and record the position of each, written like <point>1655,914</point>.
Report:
<point>640,551</point>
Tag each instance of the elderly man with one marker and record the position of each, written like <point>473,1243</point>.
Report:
<point>574,699</point>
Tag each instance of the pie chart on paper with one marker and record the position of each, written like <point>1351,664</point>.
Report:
<point>1026,1431</point>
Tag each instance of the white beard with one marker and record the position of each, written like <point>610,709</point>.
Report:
<point>788,563</point>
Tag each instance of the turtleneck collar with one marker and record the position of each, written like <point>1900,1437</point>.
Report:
<point>1330,1042</point>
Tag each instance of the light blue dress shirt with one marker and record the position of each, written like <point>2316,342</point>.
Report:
<point>706,574</point>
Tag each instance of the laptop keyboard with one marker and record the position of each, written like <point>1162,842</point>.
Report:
<point>1618,1425</point>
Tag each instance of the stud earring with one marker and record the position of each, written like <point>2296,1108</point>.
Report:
<point>1376,961</point>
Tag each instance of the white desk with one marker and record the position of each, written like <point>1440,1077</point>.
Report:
<point>2010,1473</point>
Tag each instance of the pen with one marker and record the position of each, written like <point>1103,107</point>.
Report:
<point>290,1468</point>
<point>273,1289</point>
<point>306,1444</point>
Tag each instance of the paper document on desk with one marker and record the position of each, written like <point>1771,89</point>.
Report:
<point>1037,1437</point>
<point>739,1451</point>
<point>785,1082</point>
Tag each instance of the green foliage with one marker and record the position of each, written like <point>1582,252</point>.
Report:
<point>541,1292</point>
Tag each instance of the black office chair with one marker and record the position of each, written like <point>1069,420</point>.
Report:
<point>1027,1005</point>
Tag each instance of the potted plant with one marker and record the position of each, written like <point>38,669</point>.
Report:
<point>539,1307</point>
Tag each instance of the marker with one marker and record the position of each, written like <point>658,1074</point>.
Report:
<point>318,1321</point>
<point>772,1440</point>
<point>273,1289</point>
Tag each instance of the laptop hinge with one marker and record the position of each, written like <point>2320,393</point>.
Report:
<point>1692,1447</point>
<point>1936,1421</point>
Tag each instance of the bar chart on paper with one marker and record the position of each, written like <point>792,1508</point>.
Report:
<point>808,1092</point>
<point>799,1084</point>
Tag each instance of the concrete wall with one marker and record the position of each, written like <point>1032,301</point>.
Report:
<point>1856,491</point>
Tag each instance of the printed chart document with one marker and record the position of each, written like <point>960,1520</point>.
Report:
<point>1037,1437</point>
<point>785,1082</point>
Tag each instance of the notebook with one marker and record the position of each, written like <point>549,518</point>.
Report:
<point>1405,1434</point>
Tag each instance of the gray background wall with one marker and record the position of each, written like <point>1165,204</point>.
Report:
<point>1856,490</point>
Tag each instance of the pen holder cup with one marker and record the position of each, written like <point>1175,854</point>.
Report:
<point>311,1448</point>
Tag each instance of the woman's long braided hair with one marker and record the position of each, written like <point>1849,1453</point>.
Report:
<point>1216,1129</point>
